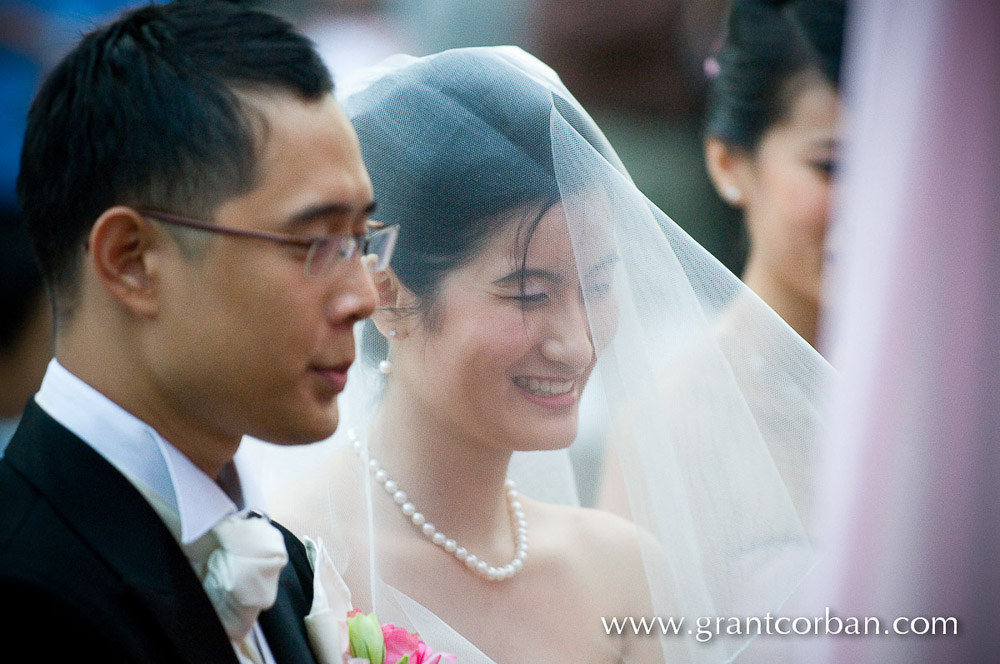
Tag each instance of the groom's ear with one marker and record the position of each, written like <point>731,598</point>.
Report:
<point>121,251</point>
<point>394,302</point>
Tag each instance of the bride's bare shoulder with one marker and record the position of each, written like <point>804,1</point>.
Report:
<point>603,549</point>
<point>591,538</point>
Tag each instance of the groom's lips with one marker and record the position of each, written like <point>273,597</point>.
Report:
<point>335,377</point>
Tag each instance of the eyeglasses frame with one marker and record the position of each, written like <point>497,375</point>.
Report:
<point>361,242</point>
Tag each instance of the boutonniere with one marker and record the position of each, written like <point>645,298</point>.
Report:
<point>373,643</point>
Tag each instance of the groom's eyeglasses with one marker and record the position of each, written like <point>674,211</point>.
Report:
<point>323,251</point>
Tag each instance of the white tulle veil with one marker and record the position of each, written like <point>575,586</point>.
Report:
<point>713,401</point>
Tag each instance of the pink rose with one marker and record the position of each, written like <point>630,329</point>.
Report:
<point>423,655</point>
<point>399,643</point>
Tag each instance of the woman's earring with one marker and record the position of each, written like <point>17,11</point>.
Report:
<point>385,366</point>
<point>732,194</point>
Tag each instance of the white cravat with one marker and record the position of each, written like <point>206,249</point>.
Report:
<point>241,575</point>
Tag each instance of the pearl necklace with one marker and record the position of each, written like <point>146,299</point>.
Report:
<point>460,553</point>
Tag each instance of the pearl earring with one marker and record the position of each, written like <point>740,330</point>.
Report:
<point>732,194</point>
<point>385,366</point>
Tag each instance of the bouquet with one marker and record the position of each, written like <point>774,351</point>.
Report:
<point>367,641</point>
<point>370,642</point>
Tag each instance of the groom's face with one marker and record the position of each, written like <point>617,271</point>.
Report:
<point>250,343</point>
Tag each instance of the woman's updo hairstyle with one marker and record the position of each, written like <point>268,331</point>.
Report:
<point>772,49</point>
<point>458,146</point>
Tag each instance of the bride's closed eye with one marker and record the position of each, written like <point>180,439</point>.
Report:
<point>528,287</point>
<point>598,279</point>
<point>598,289</point>
<point>530,298</point>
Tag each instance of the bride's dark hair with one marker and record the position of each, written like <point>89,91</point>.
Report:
<point>771,48</point>
<point>456,150</point>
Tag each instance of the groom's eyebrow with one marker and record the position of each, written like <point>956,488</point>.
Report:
<point>316,212</point>
<point>521,275</point>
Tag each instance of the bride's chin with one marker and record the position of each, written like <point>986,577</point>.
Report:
<point>541,440</point>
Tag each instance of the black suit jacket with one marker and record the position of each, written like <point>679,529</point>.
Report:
<point>88,570</point>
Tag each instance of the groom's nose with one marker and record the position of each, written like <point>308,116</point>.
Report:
<point>353,295</point>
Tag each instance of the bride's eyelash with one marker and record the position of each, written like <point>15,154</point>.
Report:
<point>527,299</point>
<point>530,298</point>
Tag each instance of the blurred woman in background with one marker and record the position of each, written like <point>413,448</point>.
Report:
<point>771,143</point>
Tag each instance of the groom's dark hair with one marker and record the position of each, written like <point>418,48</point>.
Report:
<point>151,111</point>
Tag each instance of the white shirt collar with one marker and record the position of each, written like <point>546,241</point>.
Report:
<point>143,455</point>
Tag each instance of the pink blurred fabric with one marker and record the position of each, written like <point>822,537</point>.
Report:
<point>911,483</point>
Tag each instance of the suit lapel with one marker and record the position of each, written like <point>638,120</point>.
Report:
<point>285,632</point>
<point>106,511</point>
<point>284,624</point>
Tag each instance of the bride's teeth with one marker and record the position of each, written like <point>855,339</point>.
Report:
<point>543,388</point>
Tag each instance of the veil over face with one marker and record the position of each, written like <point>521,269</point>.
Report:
<point>494,171</point>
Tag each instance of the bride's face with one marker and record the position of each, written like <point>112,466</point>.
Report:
<point>507,348</point>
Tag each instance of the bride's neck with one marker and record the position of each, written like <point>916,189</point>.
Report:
<point>457,483</point>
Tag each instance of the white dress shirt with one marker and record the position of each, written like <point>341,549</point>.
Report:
<point>150,462</point>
